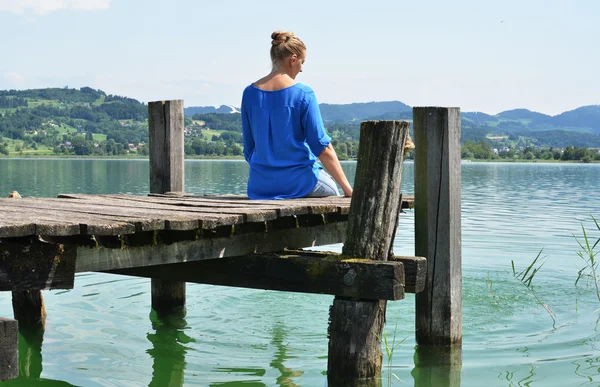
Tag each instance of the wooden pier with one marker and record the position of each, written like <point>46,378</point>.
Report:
<point>175,237</point>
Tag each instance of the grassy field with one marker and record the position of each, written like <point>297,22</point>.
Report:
<point>208,133</point>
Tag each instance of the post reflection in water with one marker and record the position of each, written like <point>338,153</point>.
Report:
<point>30,361</point>
<point>437,366</point>
<point>168,350</point>
<point>279,337</point>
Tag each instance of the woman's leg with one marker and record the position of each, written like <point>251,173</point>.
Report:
<point>325,186</point>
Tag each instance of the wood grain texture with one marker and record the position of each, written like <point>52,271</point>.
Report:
<point>356,326</point>
<point>34,265</point>
<point>289,271</point>
<point>9,349</point>
<point>438,224</point>
<point>165,122</point>
<point>103,259</point>
<point>415,268</point>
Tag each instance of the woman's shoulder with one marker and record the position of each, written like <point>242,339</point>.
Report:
<point>306,89</point>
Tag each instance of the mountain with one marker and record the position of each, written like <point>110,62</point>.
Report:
<point>523,115</point>
<point>585,116</point>
<point>65,111</point>
<point>362,111</point>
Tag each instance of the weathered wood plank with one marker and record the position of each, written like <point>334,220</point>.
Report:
<point>415,272</point>
<point>16,228</point>
<point>176,220</point>
<point>9,349</point>
<point>182,208</point>
<point>36,265</point>
<point>438,224</point>
<point>356,326</point>
<point>103,259</point>
<point>296,272</point>
<point>415,268</point>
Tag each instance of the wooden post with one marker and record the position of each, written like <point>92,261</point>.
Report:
<point>438,225</point>
<point>356,326</point>
<point>28,305</point>
<point>165,121</point>
<point>9,349</point>
<point>29,310</point>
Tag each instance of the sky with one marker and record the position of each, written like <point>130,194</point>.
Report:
<point>541,55</point>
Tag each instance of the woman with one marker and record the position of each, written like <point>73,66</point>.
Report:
<point>283,131</point>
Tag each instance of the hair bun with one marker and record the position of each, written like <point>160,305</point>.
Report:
<point>280,37</point>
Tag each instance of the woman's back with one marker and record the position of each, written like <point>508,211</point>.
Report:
<point>283,134</point>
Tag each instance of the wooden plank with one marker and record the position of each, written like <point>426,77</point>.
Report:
<point>15,228</point>
<point>415,268</point>
<point>103,259</point>
<point>282,209</point>
<point>44,224</point>
<point>36,265</point>
<point>314,205</point>
<point>176,220</point>
<point>181,208</point>
<point>47,220</point>
<point>415,272</point>
<point>438,224</point>
<point>293,272</point>
<point>9,349</point>
<point>356,326</point>
<point>407,201</point>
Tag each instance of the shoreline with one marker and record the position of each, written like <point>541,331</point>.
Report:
<point>136,157</point>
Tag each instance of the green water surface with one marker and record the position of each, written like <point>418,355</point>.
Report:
<point>102,333</point>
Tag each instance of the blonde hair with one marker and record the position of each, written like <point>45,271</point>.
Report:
<point>285,44</point>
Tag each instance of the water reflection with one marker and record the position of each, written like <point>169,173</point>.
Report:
<point>168,350</point>
<point>30,362</point>
<point>279,337</point>
<point>437,366</point>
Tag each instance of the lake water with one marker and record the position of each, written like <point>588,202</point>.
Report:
<point>102,333</point>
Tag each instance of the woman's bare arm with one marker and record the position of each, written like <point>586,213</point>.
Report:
<point>331,163</point>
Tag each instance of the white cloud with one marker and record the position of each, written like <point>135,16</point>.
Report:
<point>14,79</point>
<point>42,7</point>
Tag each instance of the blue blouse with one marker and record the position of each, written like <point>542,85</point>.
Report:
<point>283,135</point>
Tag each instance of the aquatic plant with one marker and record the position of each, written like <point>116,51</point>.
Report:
<point>526,277</point>
<point>389,350</point>
<point>588,254</point>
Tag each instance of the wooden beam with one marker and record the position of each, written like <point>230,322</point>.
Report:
<point>104,259</point>
<point>293,272</point>
<point>356,326</point>
<point>438,224</point>
<point>415,268</point>
<point>35,265</point>
<point>9,349</point>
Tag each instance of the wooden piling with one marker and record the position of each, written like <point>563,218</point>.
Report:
<point>438,224</point>
<point>28,305</point>
<point>165,121</point>
<point>356,326</point>
<point>29,309</point>
<point>9,353</point>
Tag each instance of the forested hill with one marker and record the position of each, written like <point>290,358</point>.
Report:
<point>88,121</point>
<point>81,121</point>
